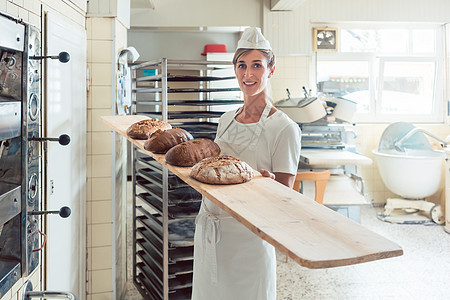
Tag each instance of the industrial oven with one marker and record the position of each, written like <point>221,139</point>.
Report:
<point>21,149</point>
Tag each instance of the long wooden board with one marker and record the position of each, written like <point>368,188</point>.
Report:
<point>309,233</point>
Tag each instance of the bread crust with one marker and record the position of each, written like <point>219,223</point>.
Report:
<point>144,129</point>
<point>222,169</point>
<point>162,141</point>
<point>191,152</point>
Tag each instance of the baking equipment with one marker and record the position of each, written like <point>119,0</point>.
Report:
<point>302,110</point>
<point>344,109</point>
<point>21,169</point>
<point>331,145</point>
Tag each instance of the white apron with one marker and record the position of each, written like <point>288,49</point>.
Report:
<point>231,262</point>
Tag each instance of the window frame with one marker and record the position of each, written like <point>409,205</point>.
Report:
<point>376,63</point>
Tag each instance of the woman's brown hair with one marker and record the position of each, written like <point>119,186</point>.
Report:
<point>267,53</point>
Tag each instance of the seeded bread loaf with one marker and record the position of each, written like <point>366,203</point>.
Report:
<point>222,169</point>
<point>144,129</point>
<point>162,141</point>
<point>191,152</point>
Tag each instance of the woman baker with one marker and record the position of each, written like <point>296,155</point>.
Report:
<point>231,262</point>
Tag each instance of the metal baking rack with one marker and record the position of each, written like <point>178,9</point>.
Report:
<point>165,207</point>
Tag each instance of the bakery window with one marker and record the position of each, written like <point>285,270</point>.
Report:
<point>393,72</point>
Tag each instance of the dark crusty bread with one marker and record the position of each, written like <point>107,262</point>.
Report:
<point>162,141</point>
<point>222,169</point>
<point>191,152</point>
<point>144,129</point>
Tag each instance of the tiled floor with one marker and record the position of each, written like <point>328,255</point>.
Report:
<point>423,272</point>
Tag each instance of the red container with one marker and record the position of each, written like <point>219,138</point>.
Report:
<point>214,48</point>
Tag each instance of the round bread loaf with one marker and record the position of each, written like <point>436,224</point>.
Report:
<point>222,169</point>
<point>144,129</point>
<point>162,141</point>
<point>191,152</point>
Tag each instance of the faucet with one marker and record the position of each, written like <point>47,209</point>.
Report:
<point>398,144</point>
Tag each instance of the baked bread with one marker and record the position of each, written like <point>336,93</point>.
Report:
<point>222,169</point>
<point>162,141</point>
<point>144,129</point>
<point>191,152</point>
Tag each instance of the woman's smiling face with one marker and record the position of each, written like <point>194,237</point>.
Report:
<point>252,72</point>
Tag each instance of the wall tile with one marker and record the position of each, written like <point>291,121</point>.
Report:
<point>89,28</point>
<point>97,124</point>
<point>89,189</point>
<point>89,120</point>
<point>101,143</point>
<point>89,51</point>
<point>102,51</point>
<point>101,188</point>
<point>101,258</point>
<point>101,165</point>
<point>102,296</point>
<point>3,8</point>
<point>101,96</point>
<point>89,212</point>
<point>101,281</point>
<point>101,74</point>
<point>23,14</point>
<point>89,236</point>
<point>18,2</point>
<point>12,9</point>
<point>101,212</point>
<point>16,287</point>
<point>101,235</point>
<point>88,166</point>
<point>88,143</point>
<point>102,28</point>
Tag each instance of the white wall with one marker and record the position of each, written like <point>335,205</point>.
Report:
<point>194,13</point>
<point>154,44</point>
<point>290,32</point>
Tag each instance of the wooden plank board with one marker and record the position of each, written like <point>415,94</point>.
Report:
<point>309,233</point>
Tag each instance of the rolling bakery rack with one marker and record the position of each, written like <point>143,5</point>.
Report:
<point>189,95</point>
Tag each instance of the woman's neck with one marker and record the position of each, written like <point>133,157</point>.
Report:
<point>252,109</point>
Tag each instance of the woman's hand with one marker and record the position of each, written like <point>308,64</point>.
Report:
<point>283,178</point>
<point>266,173</point>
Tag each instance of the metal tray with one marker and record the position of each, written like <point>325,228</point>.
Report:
<point>176,269</point>
<point>184,78</point>
<point>156,178</point>
<point>175,254</point>
<point>175,196</point>
<point>179,210</point>
<point>145,286</point>
<point>179,229</point>
<point>173,115</point>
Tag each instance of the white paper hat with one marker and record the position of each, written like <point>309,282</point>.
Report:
<point>252,38</point>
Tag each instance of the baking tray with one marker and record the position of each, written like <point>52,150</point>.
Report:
<point>183,78</point>
<point>175,196</point>
<point>179,210</point>
<point>179,229</point>
<point>156,269</point>
<point>145,286</point>
<point>175,254</point>
<point>173,115</point>
<point>155,177</point>
<point>177,288</point>
<point>149,162</point>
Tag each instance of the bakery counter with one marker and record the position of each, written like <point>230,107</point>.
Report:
<point>309,233</point>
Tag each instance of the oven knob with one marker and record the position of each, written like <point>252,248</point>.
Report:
<point>63,139</point>
<point>63,212</point>
<point>62,57</point>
